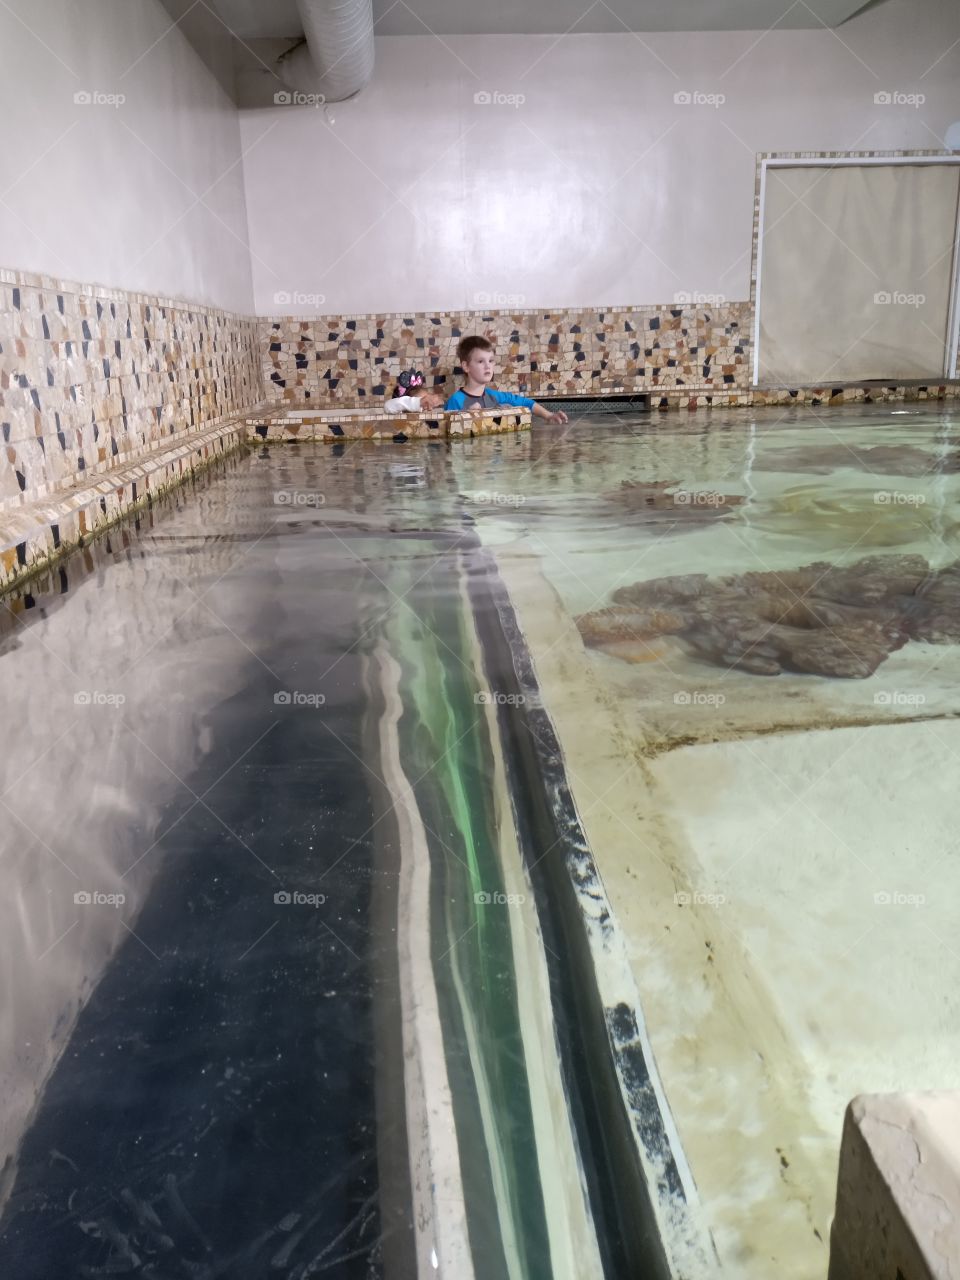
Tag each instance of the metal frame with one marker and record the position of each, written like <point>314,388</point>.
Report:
<point>832,160</point>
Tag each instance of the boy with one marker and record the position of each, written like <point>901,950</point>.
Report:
<point>476,359</point>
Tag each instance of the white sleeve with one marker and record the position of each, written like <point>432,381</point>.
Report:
<point>405,403</point>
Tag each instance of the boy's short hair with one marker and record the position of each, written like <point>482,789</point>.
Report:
<point>467,346</point>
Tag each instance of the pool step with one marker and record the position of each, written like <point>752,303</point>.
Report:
<point>36,534</point>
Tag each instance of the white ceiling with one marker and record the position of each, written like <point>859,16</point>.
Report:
<point>252,19</point>
<point>240,40</point>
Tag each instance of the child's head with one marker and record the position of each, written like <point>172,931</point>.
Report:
<point>412,383</point>
<point>476,358</point>
<point>409,383</point>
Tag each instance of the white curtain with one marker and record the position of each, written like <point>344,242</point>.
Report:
<point>855,269</point>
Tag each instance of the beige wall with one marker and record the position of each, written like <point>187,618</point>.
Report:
<point>146,196</point>
<point>597,189</point>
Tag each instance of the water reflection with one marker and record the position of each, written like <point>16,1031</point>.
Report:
<point>108,705</point>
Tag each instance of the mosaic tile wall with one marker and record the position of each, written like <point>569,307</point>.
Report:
<point>351,360</point>
<point>93,378</point>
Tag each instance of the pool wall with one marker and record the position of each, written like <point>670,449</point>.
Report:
<point>92,379</point>
<point>333,425</point>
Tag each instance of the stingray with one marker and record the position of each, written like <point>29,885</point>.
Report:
<point>819,619</point>
<point>668,502</point>
<point>855,517</point>
<point>882,459</point>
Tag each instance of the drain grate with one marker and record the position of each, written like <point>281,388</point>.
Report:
<point>576,406</point>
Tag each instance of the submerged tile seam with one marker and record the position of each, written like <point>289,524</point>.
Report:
<point>442,1241</point>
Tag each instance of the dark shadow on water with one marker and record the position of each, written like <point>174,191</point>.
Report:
<point>213,1114</point>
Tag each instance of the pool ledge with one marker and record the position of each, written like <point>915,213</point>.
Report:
<point>898,1190</point>
<point>34,535</point>
<point>333,425</point>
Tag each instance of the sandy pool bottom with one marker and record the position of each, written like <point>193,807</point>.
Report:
<point>787,905</point>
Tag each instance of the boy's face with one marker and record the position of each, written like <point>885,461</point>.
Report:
<point>479,366</point>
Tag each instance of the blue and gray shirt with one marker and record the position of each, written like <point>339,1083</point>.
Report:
<point>488,400</point>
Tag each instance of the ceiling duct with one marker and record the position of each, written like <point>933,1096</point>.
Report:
<point>335,58</point>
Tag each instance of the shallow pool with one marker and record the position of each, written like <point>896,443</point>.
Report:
<point>502,858</point>
<point>780,850</point>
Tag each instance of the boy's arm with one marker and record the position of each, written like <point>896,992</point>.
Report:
<point>541,411</point>
<point>507,397</point>
<point>455,401</point>
<point>524,402</point>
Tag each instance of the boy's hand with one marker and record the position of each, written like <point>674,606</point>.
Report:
<point>558,417</point>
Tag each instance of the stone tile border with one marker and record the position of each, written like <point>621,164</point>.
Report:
<point>761,397</point>
<point>34,537</point>
<point>334,425</point>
